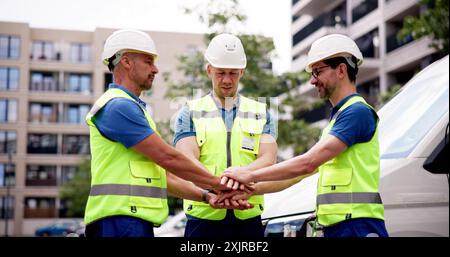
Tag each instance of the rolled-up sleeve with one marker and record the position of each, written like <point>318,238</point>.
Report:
<point>184,126</point>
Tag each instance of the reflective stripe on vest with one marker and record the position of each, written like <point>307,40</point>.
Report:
<point>332,198</point>
<point>120,189</point>
<point>220,148</point>
<point>124,182</point>
<point>348,184</point>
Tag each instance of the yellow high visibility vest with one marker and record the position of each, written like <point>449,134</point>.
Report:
<point>220,149</point>
<point>348,184</point>
<point>124,182</point>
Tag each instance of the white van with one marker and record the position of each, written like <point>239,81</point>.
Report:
<point>414,180</point>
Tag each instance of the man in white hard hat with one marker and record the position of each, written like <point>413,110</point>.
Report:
<point>225,129</point>
<point>129,187</point>
<point>347,155</point>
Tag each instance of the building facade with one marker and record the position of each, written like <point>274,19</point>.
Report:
<point>49,80</point>
<point>373,24</point>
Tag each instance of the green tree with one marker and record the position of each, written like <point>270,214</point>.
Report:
<point>391,92</point>
<point>76,191</point>
<point>432,22</point>
<point>259,80</point>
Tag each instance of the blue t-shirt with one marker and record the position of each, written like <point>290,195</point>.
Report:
<point>355,124</point>
<point>184,126</point>
<point>122,120</point>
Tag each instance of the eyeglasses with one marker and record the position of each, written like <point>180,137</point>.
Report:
<point>316,71</point>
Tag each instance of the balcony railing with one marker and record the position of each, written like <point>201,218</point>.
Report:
<point>39,212</point>
<point>41,182</point>
<point>328,19</point>
<point>393,43</point>
<point>363,9</point>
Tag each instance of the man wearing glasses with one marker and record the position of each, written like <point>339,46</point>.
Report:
<point>347,155</point>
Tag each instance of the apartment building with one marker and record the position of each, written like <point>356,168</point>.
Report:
<point>49,80</point>
<point>373,24</point>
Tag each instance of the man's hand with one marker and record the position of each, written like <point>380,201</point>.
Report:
<point>228,203</point>
<point>236,174</point>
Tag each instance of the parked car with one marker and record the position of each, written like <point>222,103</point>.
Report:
<point>173,227</point>
<point>414,179</point>
<point>59,228</point>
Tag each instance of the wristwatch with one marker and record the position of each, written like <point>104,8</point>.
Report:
<point>205,195</point>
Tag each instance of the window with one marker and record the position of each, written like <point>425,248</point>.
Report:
<point>79,83</point>
<point>364,8</point>
<point>76,113</point>
<point>7,175</point>
<point>42,144</point>
<point>8,110</point>
<point>43,112</point>
<point>75,144</point>
<point>44,81</point>
<point>41,175</point>
<point>9,78</point>
<point>42,50</point>
<point>8,142</point>
<point>67,174</point>
<point>407,118</point>
<point>7,212</point>
<point>39,207</point>
<point>9,47</point>
<point>369,44</point>
<point>80,53</point>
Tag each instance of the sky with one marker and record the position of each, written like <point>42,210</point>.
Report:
<point>270,18</point>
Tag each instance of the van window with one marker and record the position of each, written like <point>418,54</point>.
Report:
<point>406,119</point>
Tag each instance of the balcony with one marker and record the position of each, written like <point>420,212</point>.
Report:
<point>310,7</point>
<point>392,42</point>
<point>331,19</point>
<point>363,9</point>
<point>408,53</point>
<point>41,182</point>
<point>39,212</point>
<point>400,8</point>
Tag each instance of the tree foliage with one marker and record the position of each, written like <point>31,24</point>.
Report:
<point>432,22</point>
<point>391,92</point>
<point>76,191</point>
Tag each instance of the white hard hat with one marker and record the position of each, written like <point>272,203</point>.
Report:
<point>226,51</point>
<point>127,39</point>
<point>332,46</point>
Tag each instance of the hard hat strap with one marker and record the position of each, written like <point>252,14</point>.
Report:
<point>351,62</point>
<point>114,60</point>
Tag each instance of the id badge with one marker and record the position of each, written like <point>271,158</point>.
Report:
<point>248,143</point>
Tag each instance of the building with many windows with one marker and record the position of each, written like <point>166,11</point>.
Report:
<point>48,81</point>
<point>373,24</point>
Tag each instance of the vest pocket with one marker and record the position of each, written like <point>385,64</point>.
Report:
<point>145,173</point>
<point>146,185</point>
<point>336,177</point>
<point>250,136</point>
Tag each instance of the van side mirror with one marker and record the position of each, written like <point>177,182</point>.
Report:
<point>438,161</point>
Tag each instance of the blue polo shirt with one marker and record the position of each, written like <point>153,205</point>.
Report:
<point>122,120</point>
<point>184,126</point>
<point>356,124</point>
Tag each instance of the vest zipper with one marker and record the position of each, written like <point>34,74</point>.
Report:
<point>228,149</point>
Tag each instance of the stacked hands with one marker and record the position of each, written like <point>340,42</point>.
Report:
<point>234,190</point>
